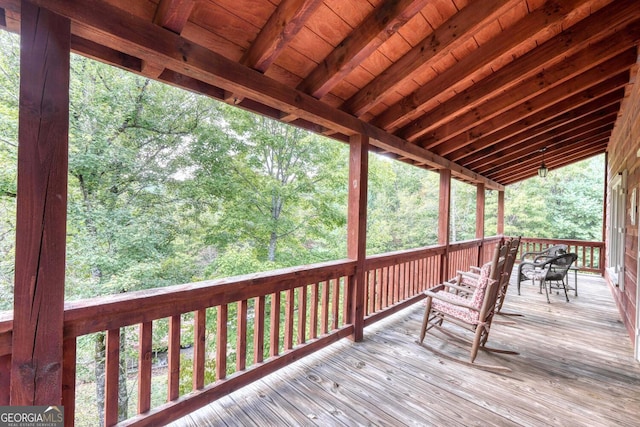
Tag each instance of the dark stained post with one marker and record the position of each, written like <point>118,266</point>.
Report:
<point>604,208</point>
<point>357,228</point>
<point>500,212</point>
<point>444,221</point>
<point>36,369</point>
<point>480,202</point>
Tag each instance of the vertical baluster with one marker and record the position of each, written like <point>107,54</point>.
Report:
<point>144,367</point>
<point>258,329</point>
<point>370,296</point>
<point>221,342</point>
<point>68,381</point>
<point>375,292</point>
<point>378,289</point>
<point>383,287</point>
<point>335,303</point>
<point>412,278</point>
<point>241,342</point>
<point>302,314</point>
<point>324,316</point>
<point>402,285</point>
<point>199,332</point>
<point>274,344</point>
<point>313,324</point>
<point>5,378</point>
<point>174,358</point>
<point>112,366</point>
<point>346,298</point>
<point>288,319</point>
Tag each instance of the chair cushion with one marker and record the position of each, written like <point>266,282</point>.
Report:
<point>463,313</point>
<point>481,286</point>
<point>554,276</point>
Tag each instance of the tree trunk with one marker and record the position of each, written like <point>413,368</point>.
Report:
<point>273,241</point>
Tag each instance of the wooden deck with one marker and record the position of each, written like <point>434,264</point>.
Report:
<point>575,368</point>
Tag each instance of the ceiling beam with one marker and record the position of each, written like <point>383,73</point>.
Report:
<point>573,154</point>
<point>147,41</point>
<point>535,138</point>
<point>383,22</point>
<point>550,141</point>
<point>488,143</point>
<point>516,142</point>
<point>283,25</point>
<point>448,36</point>
<point>511,107</point>
<point>173,14</point>
<point>542,19</point>
<point>535,71</point>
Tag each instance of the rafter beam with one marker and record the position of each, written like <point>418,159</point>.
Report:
<point>540,20</point>
<point>172,15</point>
<point>283,25</point>
<point>378,26</point>
<point>526,76</point>
<point>446,37</point>
<point>480,143</point>
<point>575,152</point>
<point>580,131</point>
<point>145,40</point>
<point>513,109</point>
<point>522,144</point>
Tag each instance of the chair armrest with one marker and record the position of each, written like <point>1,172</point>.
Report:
<point>466,288</point>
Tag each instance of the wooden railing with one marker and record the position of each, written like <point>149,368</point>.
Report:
<point>396,280</point>
<point>258,324</point>
<point>590,254</point>
<point>310,301</point>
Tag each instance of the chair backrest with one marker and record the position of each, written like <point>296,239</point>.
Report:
<point>483,280</point>
<point>514,245</point>
<point>492,289</point>
<point>550,251</point>
<point>560,265</point>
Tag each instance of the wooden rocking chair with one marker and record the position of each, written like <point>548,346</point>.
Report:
<point>451,302</point>
<point>513,245</point>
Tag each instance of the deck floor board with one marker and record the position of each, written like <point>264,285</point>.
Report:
<point>575,368</point>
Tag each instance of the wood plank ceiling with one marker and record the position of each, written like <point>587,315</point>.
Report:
<point>482,87</point>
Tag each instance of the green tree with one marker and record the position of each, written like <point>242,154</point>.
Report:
<point>273,191</point>
<point>126,136</point>
<point>402,206</point>
<point>9,83</point>
<point>567,204</point>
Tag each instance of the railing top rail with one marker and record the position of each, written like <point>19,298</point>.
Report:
<point>566,241</point>
<point>114,311</point>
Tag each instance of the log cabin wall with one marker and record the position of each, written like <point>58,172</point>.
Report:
<point>624,154</point>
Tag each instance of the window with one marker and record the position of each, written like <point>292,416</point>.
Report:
<point>617,228</point>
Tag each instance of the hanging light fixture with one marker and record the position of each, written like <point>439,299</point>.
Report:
<point>542,170</point>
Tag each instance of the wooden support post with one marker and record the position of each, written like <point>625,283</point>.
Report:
<point>444,221</point>
<point>480,203</point>
<point>357,228</point>
<point>500,212</point>
<point>36,368</point>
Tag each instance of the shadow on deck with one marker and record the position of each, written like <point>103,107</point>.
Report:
<point>575,368</point>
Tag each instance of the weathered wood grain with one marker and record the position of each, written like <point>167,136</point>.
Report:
<point>575,367</point>
<point>36,371</point>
